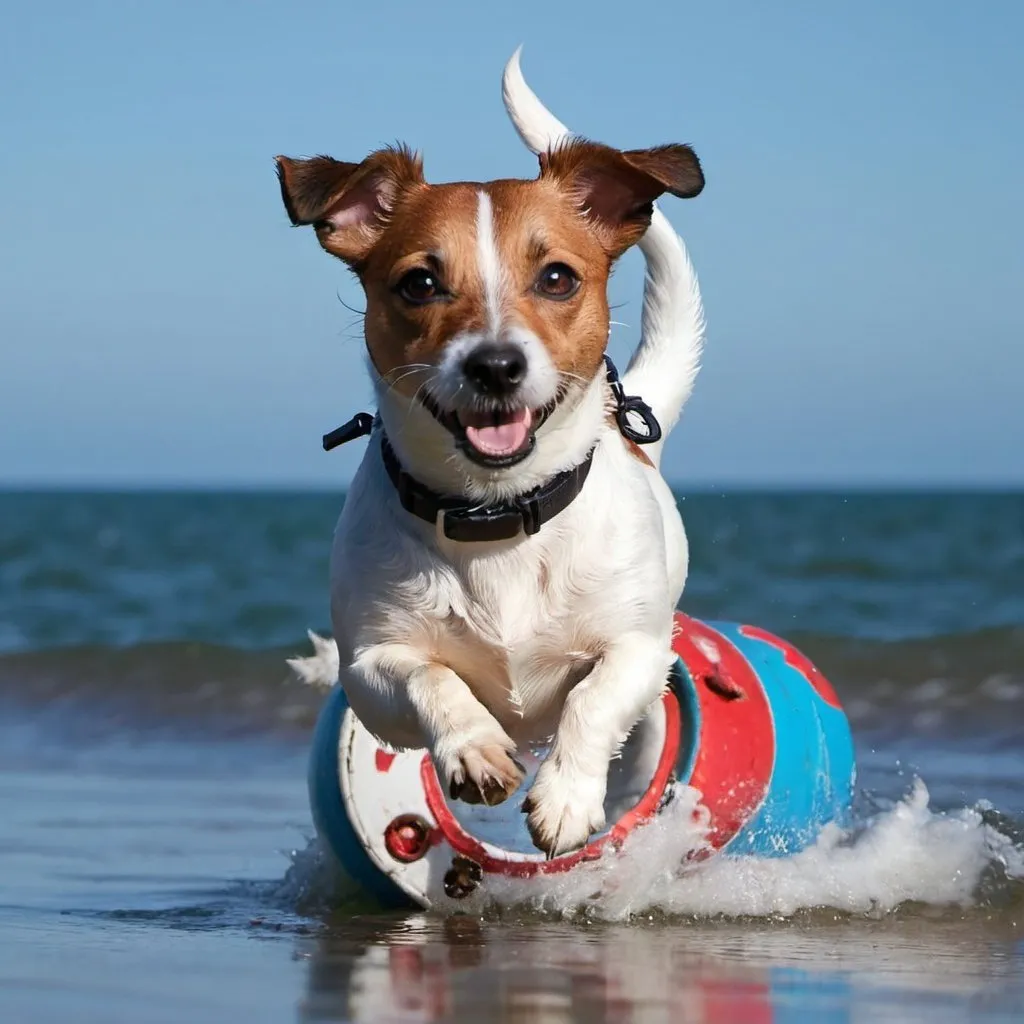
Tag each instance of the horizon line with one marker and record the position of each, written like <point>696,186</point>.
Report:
<point>703,486</point>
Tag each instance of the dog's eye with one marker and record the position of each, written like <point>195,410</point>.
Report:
<point>420,286</point>
<point>557,281</point>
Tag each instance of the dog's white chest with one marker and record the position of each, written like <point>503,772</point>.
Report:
<point>520,633</point>
<point>525,625</point>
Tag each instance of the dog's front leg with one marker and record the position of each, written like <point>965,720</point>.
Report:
<point>470,749</point>
<point>565,805</point>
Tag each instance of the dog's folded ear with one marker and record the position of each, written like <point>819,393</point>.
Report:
<point>347,204</point>
<point>616,190</point>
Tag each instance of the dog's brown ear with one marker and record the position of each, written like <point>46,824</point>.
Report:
<point>616,190</point>
<point>347,204</point>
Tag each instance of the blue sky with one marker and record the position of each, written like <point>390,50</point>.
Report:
<point>859,242</point>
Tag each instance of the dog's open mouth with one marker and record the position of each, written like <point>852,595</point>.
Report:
<point>499,434</point>
<point>495,438</point>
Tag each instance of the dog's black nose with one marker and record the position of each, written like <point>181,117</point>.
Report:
<point>495,369</point>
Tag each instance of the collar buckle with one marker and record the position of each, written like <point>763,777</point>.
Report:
<point>483,524</point>
<point>530,511</point>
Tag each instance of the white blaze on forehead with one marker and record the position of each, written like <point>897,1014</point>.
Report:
<point>539,387</point>
<point>492,273</point>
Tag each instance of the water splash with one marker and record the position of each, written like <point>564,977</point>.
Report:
<point>904,854</point>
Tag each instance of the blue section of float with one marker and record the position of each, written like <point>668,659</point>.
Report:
<point>682,685</point>
<point>813,776</point>
<point>329,815</point>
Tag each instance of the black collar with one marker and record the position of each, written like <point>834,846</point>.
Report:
<point>465,521</point>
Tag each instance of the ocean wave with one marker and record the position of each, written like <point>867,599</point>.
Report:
<point>250,570</point>
<point>977,675</point>
<point>181,685</point>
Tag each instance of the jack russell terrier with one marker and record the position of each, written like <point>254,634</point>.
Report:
<point>508,559</point>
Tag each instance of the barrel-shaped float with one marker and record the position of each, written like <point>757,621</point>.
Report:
<point>750,723</point>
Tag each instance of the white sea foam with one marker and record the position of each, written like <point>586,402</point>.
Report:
<point>907,853</point>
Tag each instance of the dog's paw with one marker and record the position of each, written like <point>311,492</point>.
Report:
<point>484,774</point>
<point>563,810</point>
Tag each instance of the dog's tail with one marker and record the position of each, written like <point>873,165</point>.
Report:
<point>320,669</point>
<point>665,364</point>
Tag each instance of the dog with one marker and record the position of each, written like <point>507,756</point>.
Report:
<point>508,559</point>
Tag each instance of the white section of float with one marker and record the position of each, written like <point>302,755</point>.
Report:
<point>374,798</point>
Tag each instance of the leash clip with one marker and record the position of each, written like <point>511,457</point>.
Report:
<point>626,404</point>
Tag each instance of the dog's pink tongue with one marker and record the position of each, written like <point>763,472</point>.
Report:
<point>505,438</point>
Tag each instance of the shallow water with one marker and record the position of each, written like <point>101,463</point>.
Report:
<point>155,859</point>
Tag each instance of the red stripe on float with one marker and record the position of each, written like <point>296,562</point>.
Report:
<point>736,747</point>
<point>466,845</point>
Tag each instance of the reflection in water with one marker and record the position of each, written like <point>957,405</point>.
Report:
<point>422,969</point>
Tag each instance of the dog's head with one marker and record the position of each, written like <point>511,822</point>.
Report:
<point>486,303</point>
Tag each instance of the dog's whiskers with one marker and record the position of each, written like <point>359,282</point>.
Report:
<point>360,313</point>
<point>410,370</point>
<point>568,375</point>
<point>406,366</point>
<point>415,398</point>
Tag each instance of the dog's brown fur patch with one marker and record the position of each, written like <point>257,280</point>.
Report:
<point>589,203</point>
